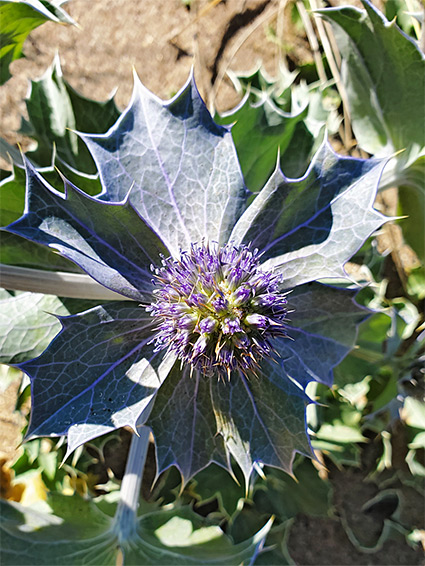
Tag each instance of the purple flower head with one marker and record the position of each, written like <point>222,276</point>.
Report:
<point>216,309</point>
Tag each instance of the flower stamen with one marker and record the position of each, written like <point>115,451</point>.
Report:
<point>217,310</point>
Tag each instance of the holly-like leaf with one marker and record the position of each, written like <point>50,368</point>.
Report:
<point>286,496</point>
<point>110,242</point>
<point>181,167</point>
<point>261,419</point>
<point>18,19</point>
<point>261,129</point>
<point>77,532</point>
<point>308,228</point>
<point>15,250</point>
<point>169,174</point>
<point>191,443</point>
<point>55,111</point>
<point>12,187</point>
<point>322,331</point>
<point>98,374</point>
<point>383,72</point>
<point>26,327</point>
<point>411,203</point>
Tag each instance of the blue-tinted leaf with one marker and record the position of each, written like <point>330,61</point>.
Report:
<point>181,167</point>
<point>261,419</point>
<point>322,328</point>
<point>109,241</point>
<point>184,424</point>
<point>78,533</point>
<point>308,228</point>
<point>98,374</point>
<point>256,420</point>
<point>15,250</point>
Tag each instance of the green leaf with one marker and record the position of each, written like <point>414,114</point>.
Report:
<point>383,72</point>
<point>182,538</point>
<point>260,131</point>
<point>18,251</point>
<point>26,327</point>
<point>55,111</point>
<point>12,196</point>
<point>215,482</point>
<point>276,116</point>
<point>378,339</point>
<point>340,433</point>
<point>309,227</point>
<point>18,19</point>
<point>76,532</point>
<point>411,203</point>
<point>286,496</point>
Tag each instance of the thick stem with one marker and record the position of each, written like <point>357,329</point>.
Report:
<point>125,519</point>
<point>73,285</point>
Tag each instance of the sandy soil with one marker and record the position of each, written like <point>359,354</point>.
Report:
<point>162,40</point>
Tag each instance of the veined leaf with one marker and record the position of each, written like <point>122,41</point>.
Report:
<point>191,443</point>
<point>78,533</point>
<point>383,72</point>
<point>110,242</point>
<point>55,111</point>
<point>322,331</point>
<point>26,327</point>
<point>309,227</point>
<point>99,374</point>
<point>180,166</point>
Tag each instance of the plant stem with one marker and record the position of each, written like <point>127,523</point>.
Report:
<point>125,519</point>
<point>63,284</point>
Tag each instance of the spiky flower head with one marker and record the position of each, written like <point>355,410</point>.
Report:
<point>217,310</point>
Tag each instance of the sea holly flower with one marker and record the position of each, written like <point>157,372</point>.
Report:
<point>223,322</point>
<point>217,311</point>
